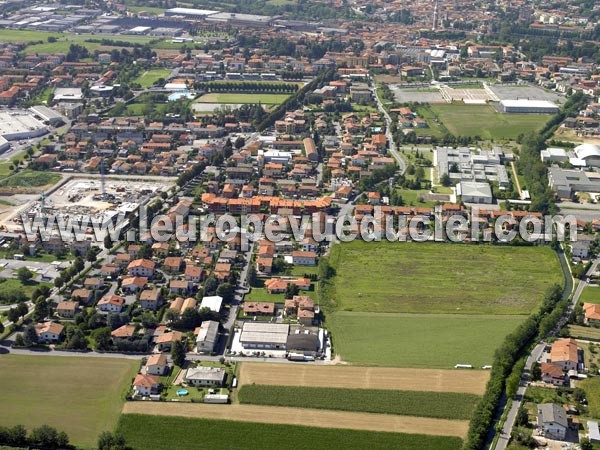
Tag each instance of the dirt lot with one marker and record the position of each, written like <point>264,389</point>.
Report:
<point>306,417</point>
<point>436,380</point>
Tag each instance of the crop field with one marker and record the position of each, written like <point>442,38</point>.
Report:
<point>159,433</point>
<point>343,376</point>
<point>591,387</point>
<point>484,121</point>
<point>441,405</point>
<point>149,77</point>
<point>590,294</point>
<point>582,332</point>
<point>81,396</point>
<point>441,278</point>
<point>418,340</point>
<point>306,417</point>
<point>266,99</point>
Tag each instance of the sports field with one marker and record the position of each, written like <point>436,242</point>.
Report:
<point>341,376</point>
<point>266,99</point>
<point>300,416</point>
<point>441,278</point>
<point>590,294</point>
<point>149,77</point>
<point>441,405</point>
<point>81,396</point>
<point>485,121</point>
<point>418,340</point>
<point>160,433</point>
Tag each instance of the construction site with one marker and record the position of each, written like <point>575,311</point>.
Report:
<point>100,199</point>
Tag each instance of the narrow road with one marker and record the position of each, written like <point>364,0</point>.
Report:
<point>516,178</point>
<point>388,133</point>
<point>537,351</point>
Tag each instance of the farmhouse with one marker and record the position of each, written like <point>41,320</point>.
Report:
<point>207,336</point>
<point>264,336</point>
<point>205,376</point>
<point>552,420</point>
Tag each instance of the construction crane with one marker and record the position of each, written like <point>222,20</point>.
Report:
<point>102,179</point>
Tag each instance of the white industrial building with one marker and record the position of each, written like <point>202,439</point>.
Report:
<point>526,106</point>
<point>68,95</point>
<point>474,192</point>
<point>208,334</point>
<point>471,164</point>
<point>20,124</point>
<point>264,336</point>
<point>589,153</point>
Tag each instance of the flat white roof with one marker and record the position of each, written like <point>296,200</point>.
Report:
<point>528,103</point>
<point>191,11</point>
<point>213,303</point>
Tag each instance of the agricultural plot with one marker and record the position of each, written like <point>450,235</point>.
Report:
<point>441,405</point>
<point>344,376</point>
<point>418,340</point>
<point>485,122</point>
<point>266,99</point>
<point>160,433</point>
<point>581,332</point>
<point>81,396</point>
<point>274,415</point>
<point>441,278</point>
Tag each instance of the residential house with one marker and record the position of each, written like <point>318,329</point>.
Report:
<point>111,303</point>
<point>150,299</point>
<point>552,420</point>
<point>67,309</point>
<point>565,353</point>
<point>142,268</point>
<point>157,364</point>
<point>302,258</point>
<point>145,385</point>
<point>553,374</point>
<point>205,376</point>
<point>165,341</point>
<point>49,332</point>
<point>259,308</point>
<point>591,314</point>
<point>126,331</point>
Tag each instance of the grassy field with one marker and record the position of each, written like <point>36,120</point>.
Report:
<point>484,121</point>
<point>590,294</point>
<point>158,433</point>
<point>26,35</point>
<point>356,377</point>
<point>591,387</point>
<point>582,332</point>
<point>442,405</point>
<point>13,284</point>
<point>418,340</point>
<point>82,396</point>
<point>441,278</point>
<point>266,99</point>
<point>31,178</point>
<point>261,295</point>
<point>149,77</point>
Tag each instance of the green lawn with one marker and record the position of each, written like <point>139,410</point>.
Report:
<point>590,294</point>
<point>415,197</point>
<point>441,278</point>
<point>25,35</point>
<point>82,396</point>
<point>13,285</point>
<point>418,340</point>
<point>266,99</point>
<point>60,46</point>
<point>261,295</point>
<point>165,433</point>
<point>484,121</point>
<point>149,77</point>
<point>591,387</point>
<point>442,405</point>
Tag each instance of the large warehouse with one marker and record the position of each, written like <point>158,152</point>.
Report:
<point>524,106</point>
<point>20,124</point>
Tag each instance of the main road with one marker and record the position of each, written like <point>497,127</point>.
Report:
<point>538,350</point>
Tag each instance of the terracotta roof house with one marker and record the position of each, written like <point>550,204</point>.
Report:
<point>565,353</point>
<point>49,332</point>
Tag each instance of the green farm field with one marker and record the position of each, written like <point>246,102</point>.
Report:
<point>441,278</point>
<point>484,121</point>
<point>442,405</point>
<point>590,294</point>
<point>267,99</point>
<point>81,396</point>
<point>418,340</point>
<point>160,433</point>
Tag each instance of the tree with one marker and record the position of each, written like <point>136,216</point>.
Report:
<point>536,372</point>
<point>522,418</point>
<point>252,276</point>
<point>42,310</point>
<point>239,142</point>
<point>107,242</point>
<point>22,309</point>
<point>1,327</point>
<point>48,437</point>
<point>24,274</point>
<point>102,338</point>
<point>178,353</point>
<point>227,291</point>
<point>29,336</point>
<point>446,180</point>
<point>291,290</point>
<point>586,444</point>
<point>149,320</point>
<point>210,285</point>
<point>109,441</point>
<point>76,339</point>
<point>13,315</point>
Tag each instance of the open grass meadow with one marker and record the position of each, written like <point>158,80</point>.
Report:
<point>418,340</point>
<point>441,405</point>
<point>266,99</point>
<point>591,387</point>
<point>149,77</point>
<point>441,278</point>
<point>30,178</point>
<point>165,433</point>
<point>485,121</point>
<point>590,294</point>
<point>81,396</point>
